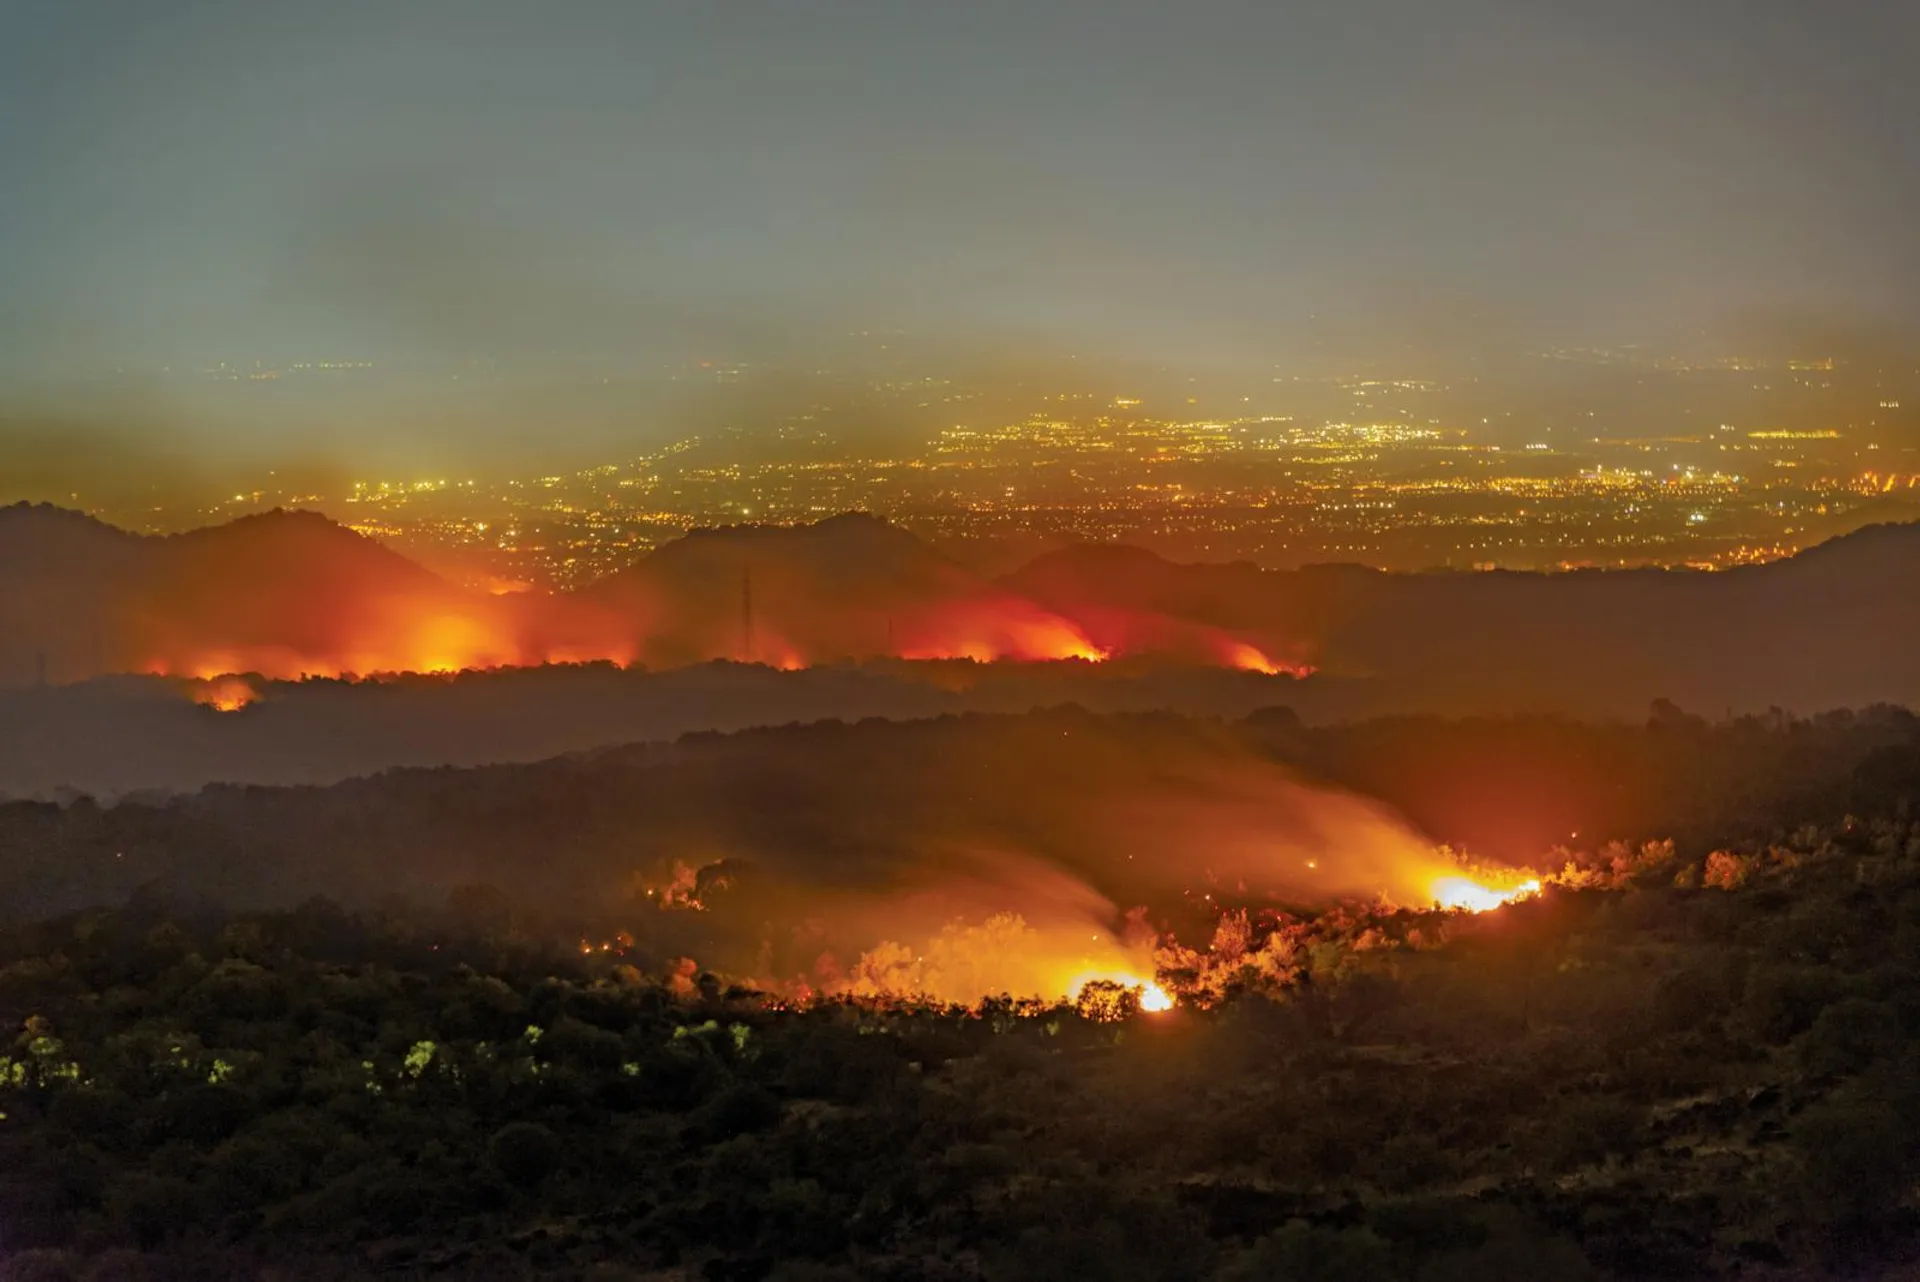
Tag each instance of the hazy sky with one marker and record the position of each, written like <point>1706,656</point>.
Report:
<point>1224,184</point>
<point>201,178</point>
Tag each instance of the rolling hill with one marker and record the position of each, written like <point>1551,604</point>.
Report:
<point>287,593</point>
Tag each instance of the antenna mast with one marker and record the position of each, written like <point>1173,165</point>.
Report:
<point>746,615</point>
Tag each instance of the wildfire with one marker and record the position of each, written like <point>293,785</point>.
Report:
<point>442,646</point>
<point>450,643</point>
<point>1007,632</point>
<point>1467,895</point>
<point>392,635</point>
<point>225,694</point>
<point>1108,976</point>
<point>1249,659</point>
<point>1151,998</point>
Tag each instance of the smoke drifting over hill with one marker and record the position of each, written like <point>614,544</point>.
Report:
<point>956,857</point>
<point>287,595</point>
<point>981,853</point>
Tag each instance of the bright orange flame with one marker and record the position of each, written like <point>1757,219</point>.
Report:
<point>988,631</point>
<point>1051,645</point>
<point>228,694</point>
<point>399,633</point>
<point>1249,659</point>
<point>1153,998</point>
<point>1468,895</point>
<point>451,643</point>
<point>1058,640</point>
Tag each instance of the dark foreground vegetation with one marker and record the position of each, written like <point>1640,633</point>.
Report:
<point>1689,1058</point>
<point>1674,1068</point>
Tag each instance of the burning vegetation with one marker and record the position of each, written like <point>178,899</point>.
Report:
<point>222,694</point>
<point>1691,1059</point>
<point>290,595</point>
<point>1067,955</point>
<point>443,643</point>
<point>1305,1087</point>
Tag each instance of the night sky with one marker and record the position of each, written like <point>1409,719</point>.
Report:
<point>1214,184</point>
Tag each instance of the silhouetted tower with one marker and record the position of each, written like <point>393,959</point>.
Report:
<point>40,668</point>
<point>746,615</point>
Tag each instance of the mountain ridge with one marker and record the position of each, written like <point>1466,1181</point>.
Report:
<point>1887,535</point>
<point>288,592</point>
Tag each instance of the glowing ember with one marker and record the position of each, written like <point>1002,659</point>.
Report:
<point>1467,895</point>
<point>1154,998</point>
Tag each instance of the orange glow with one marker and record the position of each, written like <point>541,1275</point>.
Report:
<point>1249,659</point>
<point>1153,999</point>
<point>773,650</point>
<point>215,665</point>
<point>1116,632</point>
<point>988,631</point>
<point>290,595</point>
<point>350,629</point>
<point>618,655</point>
<point>965,962</point>
<point>1467,895</point>
<point>226,694</point>
<point>397,640</point>
<point>450,643</point>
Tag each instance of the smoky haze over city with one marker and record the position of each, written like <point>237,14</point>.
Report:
<point>249,251</point>
<point>946,641</point>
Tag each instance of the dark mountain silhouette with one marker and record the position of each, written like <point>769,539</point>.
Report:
<point>271,589</point>
<point>1837,625</point>
<point>39,537</point>
<point>60,572</point>
<point>286,593</point>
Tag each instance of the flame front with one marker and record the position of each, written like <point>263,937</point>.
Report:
<point>1155,999</point>
<point>434,633</point>
<point>1151,996</point>
<point>344,634</point>
<point>225,694</point>
<point>1248,658</point>
<point>1467,895</point>
<point>989,631</point>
